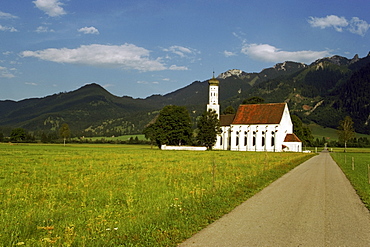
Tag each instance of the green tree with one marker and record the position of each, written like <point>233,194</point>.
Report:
<point>229,110</point>
<point>1,137</point>
<point>346,131</point>
<point>64,132</point>
<point>209,128</point>
<point>172,127</point>
<point>17,135</point>
<point>253,100</point>
<point>302,131</point>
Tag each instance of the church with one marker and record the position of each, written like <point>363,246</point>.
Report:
<point>254,127</point>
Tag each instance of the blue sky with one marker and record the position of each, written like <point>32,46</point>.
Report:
<point>144,47</point>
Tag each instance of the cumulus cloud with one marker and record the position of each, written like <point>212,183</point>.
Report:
<point>355,25</point>
<point>269,53</point>
<point>358,26</point>
<point>4,15</point>
<point>88,30</point>
<point>127,56</point>
<point>51,7</point>
<point>8,29</point>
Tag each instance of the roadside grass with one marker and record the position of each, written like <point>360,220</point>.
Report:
<point>114,195</point>
<point>359,177</point>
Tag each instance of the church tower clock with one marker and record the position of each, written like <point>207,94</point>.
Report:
<point>213,95</point>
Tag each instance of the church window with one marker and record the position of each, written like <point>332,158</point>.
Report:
<point>237,141</point>
<point>221,141</point>
<point>263,141</point>
<point>245,141</point>
<point>272,141</point>
<point>254,138</point>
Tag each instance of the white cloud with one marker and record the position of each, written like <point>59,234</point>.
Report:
<point>270,53</point>
<point>31,83</point>
<point>355,25</point>
<point>127,56</point>
<point>329,21</point>
<point>51,7</point>
<point>229,53</point>
<point>4,15</point>
<point>43,29</point>
<point>89,30</point>
<point>181,50</point>
<point>10,29</point>
<point>4,72</point>
<point>175,67</point>
<point>358,26</point>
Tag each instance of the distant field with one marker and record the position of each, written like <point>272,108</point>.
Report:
<point>359,176</point>
<point>118,138</point>
<point>123,195</point>
<point>329,133</point>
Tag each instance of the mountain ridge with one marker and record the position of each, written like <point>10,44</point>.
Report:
<point>312,91</point>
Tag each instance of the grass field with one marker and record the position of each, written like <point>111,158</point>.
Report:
<point>357,174</point>
<point>114,195</point>
<point>328,133</point>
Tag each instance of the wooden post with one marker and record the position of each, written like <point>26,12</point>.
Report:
<point>368,172</point>
<point>353,163</point>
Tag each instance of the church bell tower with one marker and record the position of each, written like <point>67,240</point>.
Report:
<point>213,95</point>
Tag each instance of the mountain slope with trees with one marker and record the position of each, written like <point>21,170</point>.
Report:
<point>323,92</point>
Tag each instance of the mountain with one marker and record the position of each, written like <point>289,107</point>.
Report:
<point>322,92</point>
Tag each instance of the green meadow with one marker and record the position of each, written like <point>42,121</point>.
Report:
<point>354,163</point>
<point>121,195</point>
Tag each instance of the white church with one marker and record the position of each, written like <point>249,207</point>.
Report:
<point>254,127</point>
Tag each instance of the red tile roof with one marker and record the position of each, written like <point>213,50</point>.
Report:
<point>291,138</point>
<point>259,114</point>
<point>226,120</point>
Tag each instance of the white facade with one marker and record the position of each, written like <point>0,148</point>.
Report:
<point>213,96</point>
<point>259,127</point>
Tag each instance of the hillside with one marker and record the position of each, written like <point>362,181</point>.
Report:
<point>322,92</point>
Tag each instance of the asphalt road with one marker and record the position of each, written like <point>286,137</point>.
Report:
<point>312,205</point>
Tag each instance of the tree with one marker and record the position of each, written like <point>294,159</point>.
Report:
<point>229,110</point>
<point>64,132</point>
<point>253,100</point>
<point>303,132</point>
<point>346,131</point>
<point>209,128</point>
<point>18,134</point>
<point>172,127</point>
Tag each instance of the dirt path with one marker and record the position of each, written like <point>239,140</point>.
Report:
<point>313,205</point>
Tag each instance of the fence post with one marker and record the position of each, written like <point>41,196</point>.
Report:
<point>368,172</point>
<point>353,163</point>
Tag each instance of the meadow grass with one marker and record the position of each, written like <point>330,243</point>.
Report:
<point>121,195</point>
<point>357,173</point>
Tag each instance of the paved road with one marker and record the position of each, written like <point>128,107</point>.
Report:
<point>313,205</point>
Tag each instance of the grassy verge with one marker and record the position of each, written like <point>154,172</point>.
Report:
<point>358,173</point>
<point>110,195</point>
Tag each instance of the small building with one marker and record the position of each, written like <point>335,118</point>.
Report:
<point>254,127</point>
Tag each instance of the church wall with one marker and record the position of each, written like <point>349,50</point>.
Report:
<point>256,138</point>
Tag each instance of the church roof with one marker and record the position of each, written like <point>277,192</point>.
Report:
<point>259,114</point>
<point>226,120</point>
<point>291,138</point>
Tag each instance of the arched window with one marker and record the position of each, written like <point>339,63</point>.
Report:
<point>263,141</point>
<point>245,141</point>
<point>221,141</point>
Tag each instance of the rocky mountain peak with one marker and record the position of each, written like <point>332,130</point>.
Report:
<point>231,72</point>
